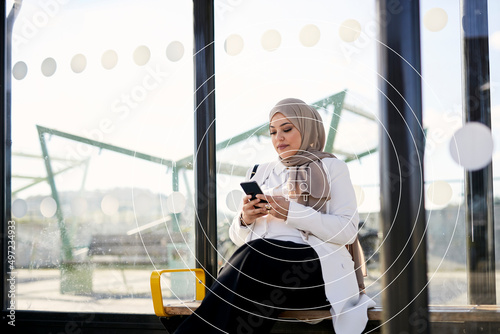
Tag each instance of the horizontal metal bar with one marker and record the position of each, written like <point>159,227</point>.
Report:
<point>106,146</point>
<point>358,111</point>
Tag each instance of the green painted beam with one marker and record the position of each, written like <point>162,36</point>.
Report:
<point>102,145</point>
<point>360,112</point>
<point>67,249</point>
<point>337,100</point>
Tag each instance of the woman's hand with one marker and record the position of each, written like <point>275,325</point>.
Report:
<point>276,205</point>
<point>252,210</point>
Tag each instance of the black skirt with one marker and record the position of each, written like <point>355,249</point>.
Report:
<point>261,279</point>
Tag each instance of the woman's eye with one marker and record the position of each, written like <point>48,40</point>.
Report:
<point>287,130</point>
<point>272,133</point>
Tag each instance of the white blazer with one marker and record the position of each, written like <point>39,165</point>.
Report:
<point>328,234</point>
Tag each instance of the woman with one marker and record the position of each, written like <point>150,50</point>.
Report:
<point>292,252</point>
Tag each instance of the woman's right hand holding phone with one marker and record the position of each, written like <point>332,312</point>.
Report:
<point>252,209</point>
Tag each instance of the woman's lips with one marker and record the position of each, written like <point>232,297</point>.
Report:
<point>282,147</point>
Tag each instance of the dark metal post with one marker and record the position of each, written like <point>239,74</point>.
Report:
<point>205,146</point>
<point>404,293</point>
<point>480,229</point>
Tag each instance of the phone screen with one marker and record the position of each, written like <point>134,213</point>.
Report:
<point>252,188</point>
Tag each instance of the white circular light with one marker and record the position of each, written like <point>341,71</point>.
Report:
<point>350,30</point>
<point>78,206</point>
<point>271,40</point>
<point>142,55</point>
<point>109,59</point>
<point>472,146</point>
<point>309,35</point>
<point>19,208</point>
<point>233,45</point>
<point>78,63</point>
<point>48,207</point>
<point>109,205</point>
<point>175,51</point>
<point>435,19</point>
<point>233,200</point>
<point>176,202</point>
<point>439,193</point>
<point>20,70</point>
<point>360,194</point>
<point>49,67</point>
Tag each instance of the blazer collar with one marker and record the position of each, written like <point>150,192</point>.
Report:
<point>264,170</point>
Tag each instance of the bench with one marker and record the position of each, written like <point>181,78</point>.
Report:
<point>464,318</point>
<point>128,250</point>
<point>121,251</point>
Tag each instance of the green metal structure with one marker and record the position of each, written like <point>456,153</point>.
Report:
<point>335,102</point>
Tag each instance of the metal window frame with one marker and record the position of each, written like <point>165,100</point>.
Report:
<point>404,263</point>
<point>42,321</point>
<point>478,188</point>
<point>205,143</point>
<point>401,33</point>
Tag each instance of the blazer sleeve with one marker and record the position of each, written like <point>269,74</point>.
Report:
<point>237,232</point>
<point>339,225</point>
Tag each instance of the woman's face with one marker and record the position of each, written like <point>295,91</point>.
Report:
<point>285,136</point>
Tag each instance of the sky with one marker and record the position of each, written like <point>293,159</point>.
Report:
<point>121,72</point>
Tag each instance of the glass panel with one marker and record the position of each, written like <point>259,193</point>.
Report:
<point>494,44</point>
<point>314,51</point>
<point>442,72</point>
<point>322,52</point>
<point>441,87</point>
<point>102,133</point>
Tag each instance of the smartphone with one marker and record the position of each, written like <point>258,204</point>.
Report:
<point>252,188</point>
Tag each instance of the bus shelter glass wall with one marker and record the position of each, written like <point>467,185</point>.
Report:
<point>443,118</point>
<point>102,130</point>
<point>494,56</point>
<point>322,52</point>
<point>322,49</point>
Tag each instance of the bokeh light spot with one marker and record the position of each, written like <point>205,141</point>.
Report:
<point>176,202</point>
<point>109,205</point>
<point>350,30</point>
<point>233,45</point>
<point>19,208</point>
<point>78,63</point>
<point>495,40</point>
<point>20,70</point>
<point>309,35</point>
<point>472,146</point>
<point>109,59</point>
<point>233,200</point>
<point>271,40</point>
<point>439,193</point>
<point>142,54</point>
<point>49,67</point>
<point>48,207</point>
<point>360,194</point>
<point>175,51</point>
<point>435,19</point>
